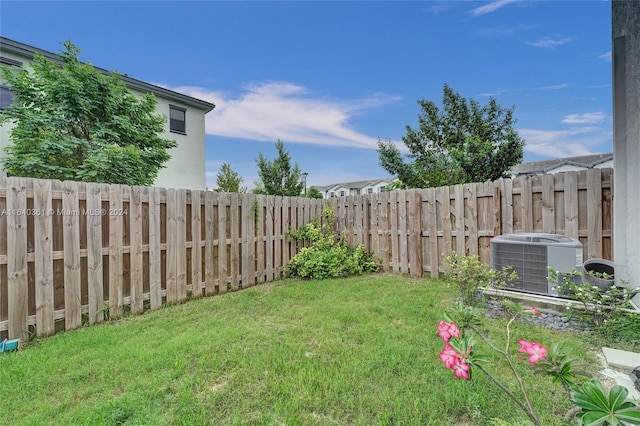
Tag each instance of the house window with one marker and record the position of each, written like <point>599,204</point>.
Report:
<point>6,97</point>
<point>342,193</point>
<point>370,191</point>
<point>382,188</point>
<point>333,194</point>
<point>6,94</point>
<point>177,119</point>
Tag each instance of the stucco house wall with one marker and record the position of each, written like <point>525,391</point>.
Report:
<point>186,168</point>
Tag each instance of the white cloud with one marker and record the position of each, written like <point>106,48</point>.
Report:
<point>605,56</point>
<point>527,89</point>
<point>504,30</point>
<point>437,7</point>
<point>490,7</point>
<point>586,118</point>
<point>496,92</point>
<point>566,143</point>
<point>552,87</point>
<point>286,111</point>
<point>549,42</point>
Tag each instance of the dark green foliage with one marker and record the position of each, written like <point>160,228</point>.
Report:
<point>314,192</point>
<point>462,143</point>
<point>279,177</point>
<point>597,409</point>
<point>328,256</point>
<point>73,122</point>
<point>229,180</point>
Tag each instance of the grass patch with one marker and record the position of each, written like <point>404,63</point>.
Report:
<point>358,351</point>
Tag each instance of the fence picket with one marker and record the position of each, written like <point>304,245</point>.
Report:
<point>135,249</point>
<point>44,258</point>
<point>172,246</point>
<point>414,223</point>
<point>458,203</point>
<point>402,231</point>
<point>571,205</point>
<point>471,214</point>
<point>261,240</point>
<point>155,253</point>
<point>94,250</point>
<point>71,237</point>
<point>223,226</point>
<point>210,235</point>
<point>17,258</point>
<point>594,213</point>
<point>394,232</point>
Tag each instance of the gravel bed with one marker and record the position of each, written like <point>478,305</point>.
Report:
<point>548,319</point>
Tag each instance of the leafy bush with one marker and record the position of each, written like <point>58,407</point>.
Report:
<point>593,306</point>
<point>328,256</point>
<point>470,275</point>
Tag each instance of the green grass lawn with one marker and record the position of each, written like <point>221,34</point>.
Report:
<point>357,351</point>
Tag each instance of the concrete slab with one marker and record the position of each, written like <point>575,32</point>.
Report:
<point>623,380</point>
<point>622,360</point>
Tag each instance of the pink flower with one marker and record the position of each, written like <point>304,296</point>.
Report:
<point>446,331</point>
<point>534,311</point>
<point>461,370</point>
<point>449,356</point>
<point>535,350</point>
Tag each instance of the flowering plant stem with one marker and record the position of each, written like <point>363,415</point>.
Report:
<point>527,407</point>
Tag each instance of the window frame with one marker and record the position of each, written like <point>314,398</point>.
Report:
<point>10,93</point>
<point>171,120</point>
<point>8,62</point>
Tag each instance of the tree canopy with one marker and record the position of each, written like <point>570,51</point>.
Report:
<point>73,122</point>
<point>228,180</point>
<point>280,176</point>
<point>461,143</point>
<point>314,192</point>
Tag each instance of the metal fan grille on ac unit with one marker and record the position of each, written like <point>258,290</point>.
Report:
<point>531,254</point>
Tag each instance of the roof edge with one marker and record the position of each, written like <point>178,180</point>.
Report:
<point>9,45</point>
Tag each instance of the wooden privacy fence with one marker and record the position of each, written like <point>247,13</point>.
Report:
<point>74,253</point>
<point>410,230</point>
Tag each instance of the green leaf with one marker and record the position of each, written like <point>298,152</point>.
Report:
<point>595,392</point>
<point>630,415</point>
<point>595,418</point>
<point>479,358</point>
<point>617,396</point>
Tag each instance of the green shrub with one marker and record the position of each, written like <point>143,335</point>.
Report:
<point>590,304</point>
<point>327,256</point>
<point>470,276</point>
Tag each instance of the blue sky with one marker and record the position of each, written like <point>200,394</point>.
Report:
<point>330,78</point>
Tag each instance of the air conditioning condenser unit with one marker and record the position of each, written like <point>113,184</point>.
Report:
<point>531,254</point>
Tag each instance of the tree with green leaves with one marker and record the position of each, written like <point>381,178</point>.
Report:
<point>462,143</point>
<point>228,180</point>
<point>314,192</point>
<point>73,122</point>
<point>280,176</point>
